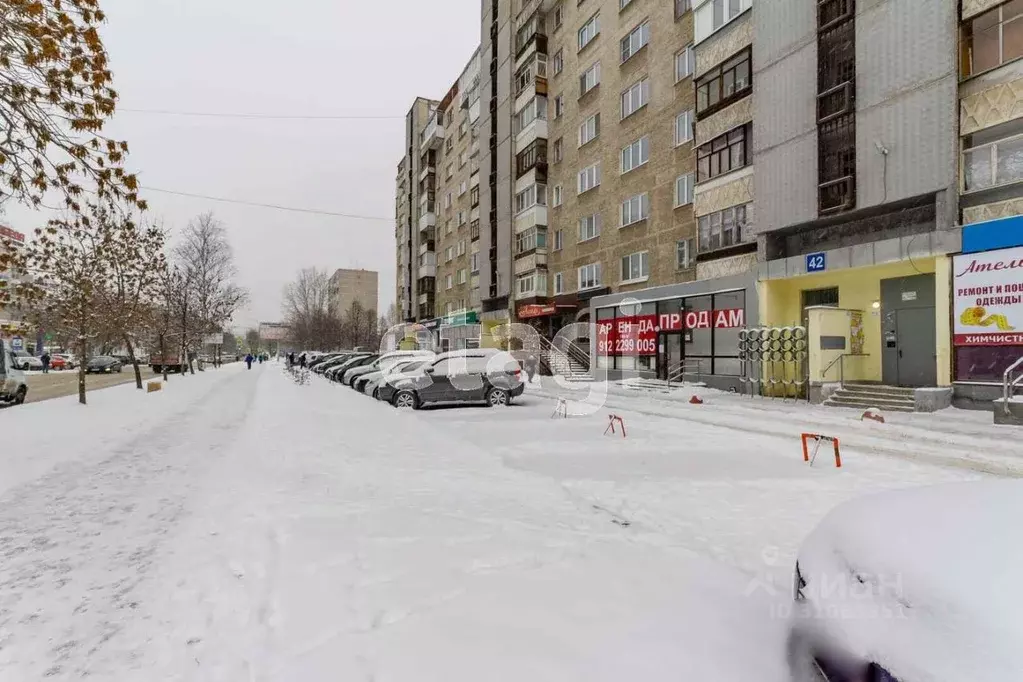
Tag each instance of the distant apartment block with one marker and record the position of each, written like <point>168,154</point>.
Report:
<point>353,286</point>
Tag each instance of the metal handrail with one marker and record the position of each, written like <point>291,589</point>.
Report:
<point>684,368</point>
<point>841,366</point>
<point>574,351</point>
<point>1007,382</point>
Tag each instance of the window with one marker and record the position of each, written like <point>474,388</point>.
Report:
<point>461,276</point>
<point>461,218</point>
<point>450,170</point>
<point>634,42</point>
<point>463,159</point>
<point>530,240</point>
<point>447,227</point>
<point>681,7</point>
<point>589,79</point>
<point>725,228</point>
<point>993,157</point>
<point>463,187</point>
<point>635,154</point>
<point>528,158</point>
<point>635,208</point>
<point>724,84</point>
<point>589,227</point>
<point>684,189</point>
<point>535,283</point>
<point>635,267</point>
<point>559,105</point>
<point>589,130</point>
<point>461,247</point>
<point>589,178</point>
<point>447,200</point>
<point>589,276</point>
<point>685,63</point>
<point>558,62</point>
<point>449,253</point>
<point>682,257</point>
<point>556,201</point>
<point>635,98</point>
<point>559,17</point>
<point>559,283</point>
<point>474,262</point>
<point>558,240</point>
<point>724,153</point>
<point>683,127</point>
<point>589,31</point>
<point>992,38</point>
<point>558,151</point>
<point>536,108</point>
<point>721,12</point>
<point>474,196</point>
<point>448,282</point>
<point>622,4</point>
<point>531,196</point>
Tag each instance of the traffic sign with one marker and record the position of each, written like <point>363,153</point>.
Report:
<point>17,343</point>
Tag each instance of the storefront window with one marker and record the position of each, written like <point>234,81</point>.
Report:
<point>985,363</point>
<point>726,340</point>
<point>700,342</point>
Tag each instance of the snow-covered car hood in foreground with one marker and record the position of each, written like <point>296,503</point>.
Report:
<point>927,582</point>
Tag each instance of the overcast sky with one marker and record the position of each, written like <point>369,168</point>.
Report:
<point>301,57</point>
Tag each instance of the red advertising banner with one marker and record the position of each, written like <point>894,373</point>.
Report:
<point>11,234</point>
<point>637,334</point>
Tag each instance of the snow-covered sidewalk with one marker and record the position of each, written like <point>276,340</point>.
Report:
<point>265,530</point>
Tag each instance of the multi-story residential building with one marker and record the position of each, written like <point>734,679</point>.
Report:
<point>987,296</point>
<point>409,211</point>
<point>347,287</point>
<point>856,184</point>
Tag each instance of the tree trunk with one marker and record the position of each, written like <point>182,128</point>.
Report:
<point>163,355</point>
<point>134,361</point>
<point>81,369</point>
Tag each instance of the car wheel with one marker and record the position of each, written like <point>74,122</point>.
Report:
<point>497,397</point>
<point>406,399</point>
<point>376,394</point>
<point>19,397</point>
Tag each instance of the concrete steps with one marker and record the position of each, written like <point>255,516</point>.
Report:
<point>865,396</point>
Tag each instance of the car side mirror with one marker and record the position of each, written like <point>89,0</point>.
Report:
<point>428,370</point>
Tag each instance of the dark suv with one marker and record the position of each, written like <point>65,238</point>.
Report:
<point>486,376</point>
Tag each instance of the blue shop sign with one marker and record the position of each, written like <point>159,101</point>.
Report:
<point>990,235</point>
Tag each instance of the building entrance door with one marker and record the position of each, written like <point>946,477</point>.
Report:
<point>669,354</point>
<point>908,336</point>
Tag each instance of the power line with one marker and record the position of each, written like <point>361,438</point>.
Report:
<point>293,209</point>
<point>270,117</point>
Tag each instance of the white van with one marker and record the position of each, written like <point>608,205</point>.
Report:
<point>13,387</point>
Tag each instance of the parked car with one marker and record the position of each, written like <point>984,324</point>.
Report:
<point>321,359</point>
<point>13,386</point>
<point>70,360</point>
<point>57,362</point>
<point>345,363</point>
<point>382,363</point>
<point>25,362</point>
<point>918,584</point>
<point>360,361</point>
<point>103,364</point>
<point>325,366</point>
<point>371,382</point>
<point>484,375</point>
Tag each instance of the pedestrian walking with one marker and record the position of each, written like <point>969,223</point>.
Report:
<point>291,359</point>
<point>530,367</point>
<point>248,360</point>
<point>301,361</point>
<point>45,359</point>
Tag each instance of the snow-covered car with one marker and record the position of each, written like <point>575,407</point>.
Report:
<point>25,362</point>
<point>368,383</point>
<point>345,363</point>
<point>484,375</point>
<point>381,364</point>
<point>340,375</point>
<point>913,585</point>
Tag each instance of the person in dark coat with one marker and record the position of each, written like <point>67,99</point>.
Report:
<point>45,359</point>
<point>248,360</point>
<point>291,359</point>
<point>301,361</point>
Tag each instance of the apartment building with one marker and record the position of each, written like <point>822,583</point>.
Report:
<point>856,183</point>
<point>408,212</point>
<point>986,286</point>
<point>348,287</point>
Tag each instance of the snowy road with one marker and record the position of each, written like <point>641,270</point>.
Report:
<point>239,526</point>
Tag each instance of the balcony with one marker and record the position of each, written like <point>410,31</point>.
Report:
<point>427,246</point>
<point>426,173</point>
<point>428,270</point>
<point>433,136</point>
<point>427,220</point>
